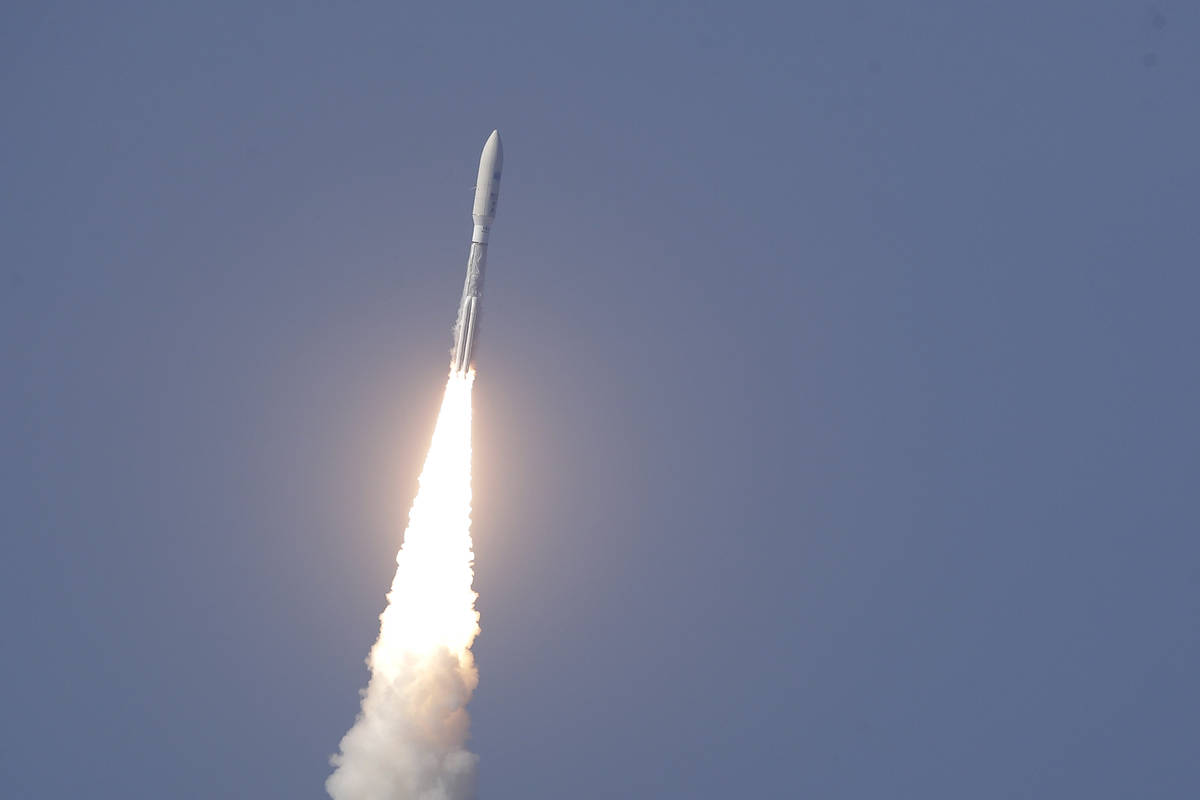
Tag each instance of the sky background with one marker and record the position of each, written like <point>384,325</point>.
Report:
<point>836,420</point>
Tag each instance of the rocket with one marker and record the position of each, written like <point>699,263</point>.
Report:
<point>487,193</point>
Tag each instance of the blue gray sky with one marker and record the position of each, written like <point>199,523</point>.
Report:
<point>836,420</point>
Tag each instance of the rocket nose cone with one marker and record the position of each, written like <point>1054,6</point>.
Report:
<point>487,186</point>
<point>494,150</point>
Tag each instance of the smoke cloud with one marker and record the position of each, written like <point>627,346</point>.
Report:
<point>409,740</point>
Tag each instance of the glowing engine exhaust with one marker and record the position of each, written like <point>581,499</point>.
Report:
<point>409,739</point>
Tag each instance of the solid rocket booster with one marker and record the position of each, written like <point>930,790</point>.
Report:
<point>487,193</point>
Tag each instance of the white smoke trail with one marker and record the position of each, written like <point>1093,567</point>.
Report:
<point>408,742</point>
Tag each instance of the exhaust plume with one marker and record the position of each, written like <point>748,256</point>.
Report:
<point>408,742</point>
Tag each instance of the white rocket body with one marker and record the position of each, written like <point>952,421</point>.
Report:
<point>487,194</point>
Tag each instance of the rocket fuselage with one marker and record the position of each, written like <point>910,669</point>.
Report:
<point>487,194</point>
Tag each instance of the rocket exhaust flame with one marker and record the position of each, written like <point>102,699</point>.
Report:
<point>409,738</point>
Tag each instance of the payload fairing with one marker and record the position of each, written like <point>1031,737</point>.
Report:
<point>487,193</point>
